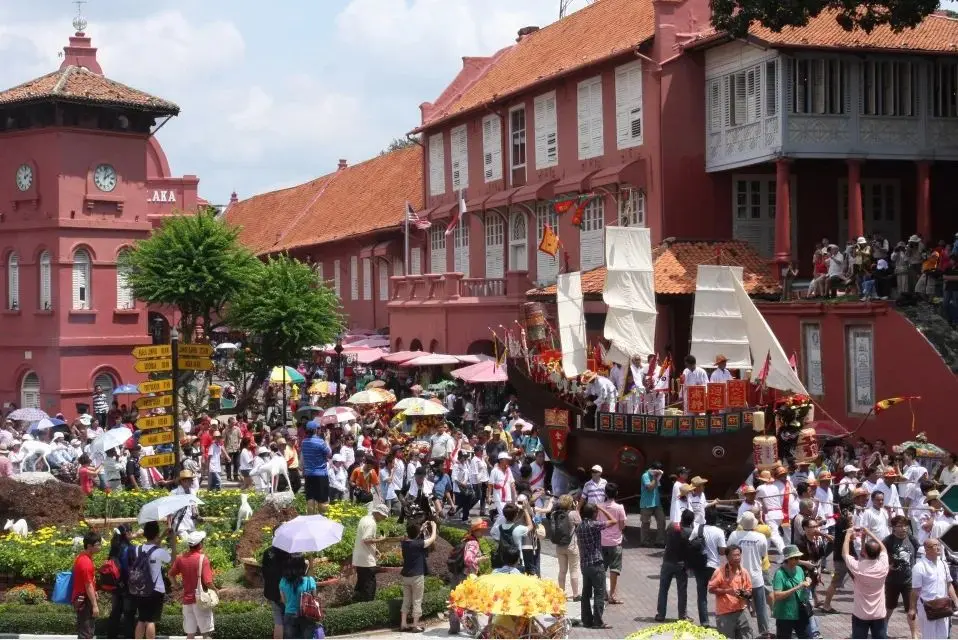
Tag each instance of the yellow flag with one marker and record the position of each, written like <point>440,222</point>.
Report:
<point>550,242</point>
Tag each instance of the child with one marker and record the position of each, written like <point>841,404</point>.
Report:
<point>868,283</point>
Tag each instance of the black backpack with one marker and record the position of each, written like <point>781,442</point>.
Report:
<point>561,528</point>
<point>456,563</point>
<point>696,559</point>
<point>506,541</point>
<point>140,582</point>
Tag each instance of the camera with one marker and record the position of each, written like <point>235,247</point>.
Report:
<point>744,594</point>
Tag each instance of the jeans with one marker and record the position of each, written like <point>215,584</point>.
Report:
<point>702,577</point>
<point>480,490</point>
<point>295,626</point>
<point>216,482</point>
<point>878,628</point>
<point>949,305</point>
<point>669,571</point>
<point>646,520</point>
<point>530,561</point>
<point>85,620</point>
<point>122,620</point>
<point>593,595</point>
<point>232,469</point>
<point>801,628</point>
<point>761,609</point>
<point>365,584</point>
<point>465,501</point>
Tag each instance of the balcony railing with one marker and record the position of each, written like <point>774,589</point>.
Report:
<point>454,286</point>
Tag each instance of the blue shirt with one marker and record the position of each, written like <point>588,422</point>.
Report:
<point>291,593</point>
<point>316,453</point>
<point>441,486</point>
<point>649,498</point>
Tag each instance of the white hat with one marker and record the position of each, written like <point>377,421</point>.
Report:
<point>195,538</point>
<point>27,436</point>
<point>75,442</point>
<point>914,238</point>
<point>58,435</point>
<point>261,450</point>
<point>597,468</point>
<point>861,240</point>
<point>86,419</point>
<point>521,499</point>
<point>337,457</point>
<point>747,521</point>
<point>214,421</point>
<point>850,468</point>
<point>526,428</point>
<point>381,509</point>
<point>504,456</point>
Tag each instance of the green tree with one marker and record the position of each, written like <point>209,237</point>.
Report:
<point>193,263</point>
<point>400,143</point>
<point>735,16</point>
<point>286,310</point>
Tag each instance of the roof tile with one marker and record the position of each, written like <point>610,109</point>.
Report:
<point>676,267</point>
<point>591,34</point>
<point>366,197</point>
<point>76,84</point>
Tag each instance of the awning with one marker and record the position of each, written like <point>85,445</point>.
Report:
<point>537,191</point>
<point>575,182</point>
<point>478,203</point>
<point>443,211</point>
<point>632,173</point>
<point>500,198</point>
<point>380,250</point>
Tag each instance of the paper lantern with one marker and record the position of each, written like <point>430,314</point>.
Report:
<point>758,422</point>
<point>765,451</point>
<point>807,447</point>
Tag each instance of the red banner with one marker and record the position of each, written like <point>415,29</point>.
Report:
<point>557,438</point>
<point>716,396</point>
<point>737,394</point>
<point>557,418</point>
<point>697,398</point>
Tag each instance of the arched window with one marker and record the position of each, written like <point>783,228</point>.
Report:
<point>592,236</point>
<point>495,245</point>
<point>106,382</point>
<point>437,248</point>
<point>415,345</point>
<point>13,280</point>
<point>547,267</point>
<point>124,293</point>
<point>30,391</point>
<point>518,242</point>
<point>81,279</point>
<point>434,346</point>
<point>46,278</point>
<point>461,246</point>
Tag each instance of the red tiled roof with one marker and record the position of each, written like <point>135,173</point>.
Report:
<point>676,266</point>
<point>936,33</point>
<point>366,197</point>
<point>600,31</point>
<point>76,84</point>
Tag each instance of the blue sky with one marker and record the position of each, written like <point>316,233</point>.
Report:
<point>273,93</point>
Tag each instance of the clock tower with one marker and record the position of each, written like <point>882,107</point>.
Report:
<point>82,177</point>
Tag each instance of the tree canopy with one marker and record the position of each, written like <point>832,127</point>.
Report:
<point>400,143</point>
<point>735,16</point>
<point>193,263</point>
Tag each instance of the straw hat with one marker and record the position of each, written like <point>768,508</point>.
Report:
<point>824,475</point>
<point>588,376</point>
<point>698,480</point>
<point>780,471</point>
<point>934,494</point>
<point>857,493</point>
<point>747,489</point>
<point>766,476</point>
<point>478,524</point>
<point>185,474</point>
<point>720,358</point>
<point>685,489</point>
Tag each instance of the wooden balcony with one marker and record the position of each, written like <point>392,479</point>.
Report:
<point>435,288</point>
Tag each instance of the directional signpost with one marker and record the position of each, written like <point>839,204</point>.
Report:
<point>151,366</point>
<point>152,351</point>
<point>154,439</point>
<point>154,403</point>
<point>155,386</point>
<point>155,422</point>
<point>195,364</point>
<point>195,351</point>
<point>159,460</point>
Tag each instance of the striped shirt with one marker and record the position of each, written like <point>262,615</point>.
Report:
<point>594,492</point>
<point>100,404</point>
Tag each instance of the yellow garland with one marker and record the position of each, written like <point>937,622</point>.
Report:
<point>679,630</point>
<point>509,594</point>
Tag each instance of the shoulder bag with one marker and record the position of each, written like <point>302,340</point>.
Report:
<point>309,607</point>
<point>205,598</point>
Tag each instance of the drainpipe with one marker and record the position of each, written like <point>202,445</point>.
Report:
<point>657,179</point>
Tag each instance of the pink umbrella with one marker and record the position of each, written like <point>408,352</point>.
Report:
<point>365,356</point>
<point>487,371</point>
<point>473,358</point>
<point>431,360</point>
<point>371,342</point>
<point>403,356</point>
<point>338,415</point>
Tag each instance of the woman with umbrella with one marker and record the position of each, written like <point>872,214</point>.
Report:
<point>294,584</point>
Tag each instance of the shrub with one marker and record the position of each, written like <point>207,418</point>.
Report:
<point>26,594</point>
<point>375,615</point>
<point>325,570</point>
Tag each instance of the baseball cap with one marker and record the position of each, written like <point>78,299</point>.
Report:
<point>597,468</point>
<point>850,468</point>
<point>504,456</point>
<point>195,538</point>
<point>312,425</point>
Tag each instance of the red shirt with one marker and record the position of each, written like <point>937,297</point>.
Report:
<point>188,566</point>
<point>84,573</point>
<point>206,439</point>
<point>86,480</point>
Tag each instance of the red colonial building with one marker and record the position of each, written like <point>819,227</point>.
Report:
<point>81,178</point>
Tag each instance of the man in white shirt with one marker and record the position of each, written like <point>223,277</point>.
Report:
<point>754,547</point>
<point>876,518</point>
<point>721,374</point>
<point>217,453</point>
<point>461,487</point>
<point>681,478</point>
<point>593,490</point>
<point>930,580</point>
<point>770,497</point>
<point>802,473</point>
<point>186,425</point>
<point>836,270</point>
<point>442,443</point>
<point>914,473</point>
<point>337,478</point>
<point>714,539</point>
<point>411,466</point>
<point>150,607</point>
<point>182,520</point>
<point>849,481</point>
<point>749,505</point>
<point>600,390</point>
<point>888,486</point>
<point>825,499</point>
<point>365,553</point>
<point>693,376</point>
<point>502,485</point>
<point>648,386</point>
<point>538,478</point>
<point>697,500</point>
<point>450,401</point>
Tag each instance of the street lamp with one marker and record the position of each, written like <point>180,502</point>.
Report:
<point>339,370</point>
<point>175,374</point>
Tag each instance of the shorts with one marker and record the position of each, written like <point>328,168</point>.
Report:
<point>149,608</point>
<point>317,488</point>
<point>279,611</point>
<point>197,619</point>
<point>840,573</point>
<point>612,558</point>
<point>244,473</point>
<point>892,591</point>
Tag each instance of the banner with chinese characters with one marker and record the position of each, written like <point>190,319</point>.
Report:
<point>557,443</point>
<point>557,418</point>
<point>697,396</point>
<point>672,426</point>
<point>737,394</point>
<point>716,396</point>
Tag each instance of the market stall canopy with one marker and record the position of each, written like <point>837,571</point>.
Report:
<point>403,356</point>
<point>371,342</point>
<point>431,360</point>
<point>484,372</point>
<point>290,376</point>
<point>367,356</point>
<point>473,358</point>
<point>371,396</point>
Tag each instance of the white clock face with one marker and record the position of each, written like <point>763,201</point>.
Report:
<point>24,177</point>
<point>104,177</point>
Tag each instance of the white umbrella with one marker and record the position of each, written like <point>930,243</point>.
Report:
<point>410,403</point>
<point>338,415</point>
<point>307,534</point>
<point>426,408</point>
<point>159,509</point>
<point>431,360</point>
<point>28,414</point>
<point>110,440</point>
<point>227,346</point>
<point>31,447</point>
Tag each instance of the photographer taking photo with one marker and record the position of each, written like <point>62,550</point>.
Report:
<point>732,587</point>
<point>418,539</point>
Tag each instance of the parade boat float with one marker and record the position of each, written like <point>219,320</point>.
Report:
<point>721,436</point>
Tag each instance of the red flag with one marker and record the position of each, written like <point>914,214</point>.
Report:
<point>766,367</point>
<point>457,216</point>
<point>793,362</point>
<point>888,403</point>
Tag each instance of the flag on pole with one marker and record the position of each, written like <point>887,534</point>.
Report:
<point>550,241</point>
<point>793,363</point>
<point>888,403</point>
<point>420,223</point>
<point>766,366</point>
<point>457,216</point>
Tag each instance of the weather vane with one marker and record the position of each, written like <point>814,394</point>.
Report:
<point>79,22</point>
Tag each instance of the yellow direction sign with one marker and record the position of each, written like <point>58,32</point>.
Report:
<point>155,386</point>
<point>195,364</point>
<point>149,366</point>
<point>154,439</point>
<point>153,351</point>
<point>156,422</point>
<point>154,403</point>
<point>159,460</point>
<point>195,350</point>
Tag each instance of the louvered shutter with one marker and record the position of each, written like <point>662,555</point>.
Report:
<point>628,105</point>
<point>367,279</point>
<point>460,158</point>
<point>547,267</point>
<point>437,248</point>
<point>592,236</point>
<point>105,382</point>
<point>492,148</point>
<point>715,105</point>
<point>583,112</point>
<point>354,278</point>
<point>547,148</point>
<point>337,278</point>
<point>13,281</point>
<point>81,279</point>
<point>46,297</point>
<point>495,245</point>
<point>415,262</point>
<point>518,243</point>
<point>461,246</point>
<point>30,391</point>
<point>384,279</point>
<point>398,267</point>
<point>124,297</point>
<point>437,165</point>
<point>596,117</point>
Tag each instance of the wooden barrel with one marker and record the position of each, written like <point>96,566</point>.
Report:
<point>806,449</point>
<point>765,452</point>
<point>536,326</point>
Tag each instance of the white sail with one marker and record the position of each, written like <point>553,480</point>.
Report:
<point>571,312</point>
<point>717,323</point>
<point>629,293</point>
<point>764,345</point>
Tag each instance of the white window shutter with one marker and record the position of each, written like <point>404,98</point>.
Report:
<point>398,267</point>
<point>592,236</point>
<point>628,105</point>
<point>596,115</point>
<point>461,246</point>
<point>495,232</point>
<point>492,148</point>
<point>547,267</point>
<point>81,279</point>
<point>437,165</point>
<point>547,148</point>
<point>46,289</point>
<point>583,111</point>
<point>13,281</point>
<point>338,278</point>
<point>124,296</point>
<point>437,247</point>
<point>367,279</point>
<point>384,279</point>
<point>518,242</point>
<point>415,261</point>
<point>715,105</point>
<point>354,278</point>
<point>460,158</point>
<point>30,391</point>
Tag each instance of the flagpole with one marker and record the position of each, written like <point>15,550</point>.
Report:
<point>406,254</point>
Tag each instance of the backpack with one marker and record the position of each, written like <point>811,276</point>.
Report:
<point>506,541</point>
<point>561,528</point>
<point>140,581</point>
<point>456,563</point>
<point>696,559</point>
<point>62,592</point>
<point>108,576</point>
